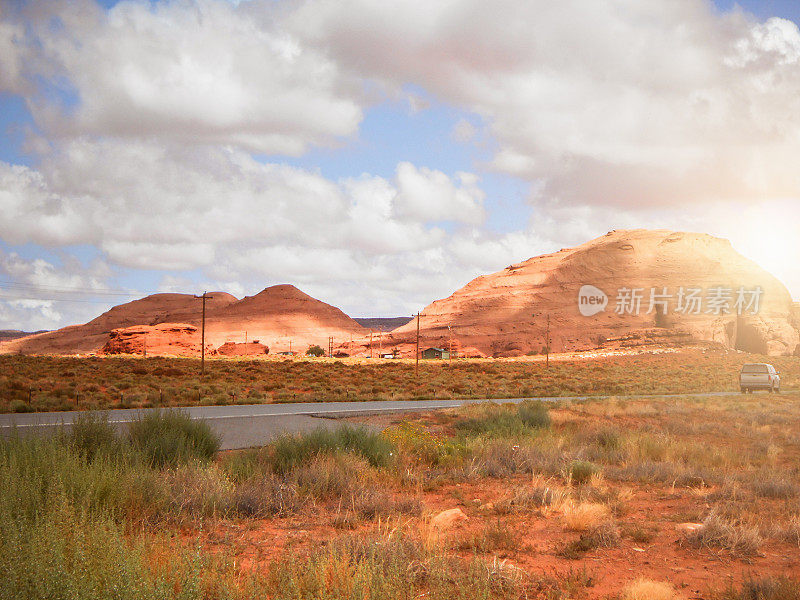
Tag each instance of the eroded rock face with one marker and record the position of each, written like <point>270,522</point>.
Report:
<point>506,313</point>
<point>165,339</point>
<point>246,349</point>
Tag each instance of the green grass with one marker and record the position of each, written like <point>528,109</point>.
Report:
<point>172,437</point>
<point>289,451</point>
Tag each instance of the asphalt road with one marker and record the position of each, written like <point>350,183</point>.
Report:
<point>248,425</point>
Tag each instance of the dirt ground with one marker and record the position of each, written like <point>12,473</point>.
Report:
<point>648,515</point>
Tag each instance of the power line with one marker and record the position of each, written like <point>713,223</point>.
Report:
<point>43,299</point>
<point>66,290</point>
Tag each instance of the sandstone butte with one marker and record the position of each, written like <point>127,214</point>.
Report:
<point>169,324</point>
<point>505,314</point>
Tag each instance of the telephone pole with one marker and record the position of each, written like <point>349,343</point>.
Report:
<point>416,367</point>
<point>370,343</point>
<point>204,297</point>
<point>450,342</point>
<point>547,341</point>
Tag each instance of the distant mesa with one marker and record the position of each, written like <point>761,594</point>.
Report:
<point>13,334</point>
<point>627,289</point>
<point>382,323</point>
<point>281,315</point>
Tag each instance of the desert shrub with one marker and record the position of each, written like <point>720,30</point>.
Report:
<point>394,566</point>
<point>605,535</point>
<point>788,532</point>
<point>199,491</point>
<point>491,538</point>
<point>493,420</point>
<point>289,451</point>
<point>585,516</point>
<point>539,494</point>
<point>20,406</point>
<point>172,437</point>
<point>647,589</point>
<point>369,503</point>
<point>580,471</point>
<point>91,434</point>
<point>419,445</point>
<point>266,497</point>
<point>534,414</point>
<point>767,588</point>
<point>774,485</point>
<point>717,532</point>
<point>332,475</point>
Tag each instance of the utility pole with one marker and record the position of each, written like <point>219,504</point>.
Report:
<point>144,353</point>
<point>450,341</point>
<point>416,367</point>
<point>547,342</point>
<point>370,343</point>
<point>204,297</point>
<point>330,346</point>
<point>290,346</point>
<point>245,338</point>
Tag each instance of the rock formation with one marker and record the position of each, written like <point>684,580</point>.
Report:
<point>710,292</point>
<point>165,339</point>
<point>254,348</point>
<point>281,316</point>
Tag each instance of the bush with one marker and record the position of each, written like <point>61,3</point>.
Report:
<point>92,434</point>
<point>716,532</point>
<point>580,471</point>
<point>534,414</point>
<point>768,588</point>
<point>332,476</point>
<point>315,351</point>
<point>172,437</point>
<point>289,451</point>
<point>647,589</point>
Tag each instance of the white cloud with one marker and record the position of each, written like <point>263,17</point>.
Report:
<point>173,208</point>
<point>429,195</point>
<point>627,103</point>
<point>37,294</point>
<point>205,71</point>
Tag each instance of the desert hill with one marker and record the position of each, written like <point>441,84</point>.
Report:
<point>382,323</point>
<point>275,316</point>
<point>505,313</point>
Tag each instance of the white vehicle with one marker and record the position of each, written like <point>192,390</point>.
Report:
<point>759,376</point>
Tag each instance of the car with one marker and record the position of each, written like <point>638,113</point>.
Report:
<point>759,376</point>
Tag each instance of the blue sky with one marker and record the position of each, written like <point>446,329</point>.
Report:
<point>375,163</point>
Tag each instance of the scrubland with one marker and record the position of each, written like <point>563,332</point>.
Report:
<point>47,383</point>
<point>680,497</point>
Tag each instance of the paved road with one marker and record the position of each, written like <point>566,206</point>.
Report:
<point>248,425</point>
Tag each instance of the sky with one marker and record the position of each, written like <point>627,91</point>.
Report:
<point>379,154</point>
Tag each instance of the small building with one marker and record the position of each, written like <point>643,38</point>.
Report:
<point>387,355</point>
<point>436,353</point>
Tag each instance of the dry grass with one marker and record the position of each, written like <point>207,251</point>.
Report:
<point>68,383</point>
<point>647,589</point>
<point>586,516</point>
<point>717,532</point>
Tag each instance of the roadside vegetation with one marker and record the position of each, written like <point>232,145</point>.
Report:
<point>48,383</point>
<point>575,499</point>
